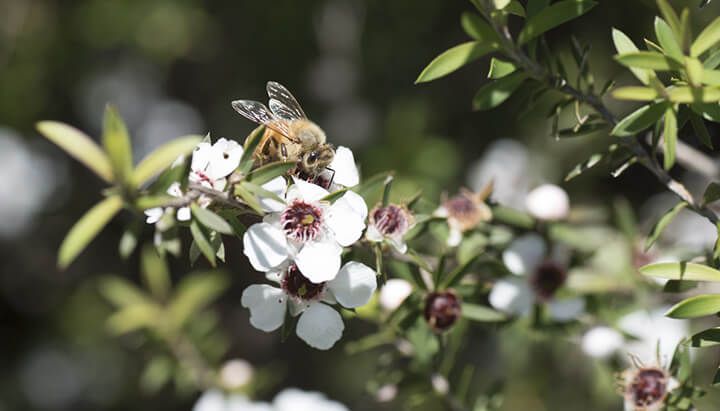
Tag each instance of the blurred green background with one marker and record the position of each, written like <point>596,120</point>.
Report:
<point>172,68</point>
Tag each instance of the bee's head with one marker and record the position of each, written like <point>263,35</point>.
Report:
<point>318,158</point>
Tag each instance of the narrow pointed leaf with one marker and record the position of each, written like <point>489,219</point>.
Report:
<point>263,174</point>
<point>667,39</point>
<point>85,229</point>
<point>684,94</point>
<point>210,219</point>
<point>477,28</point>
<point>203,242</point>
<point>712,193</point>
<point>670,132</point>
<point>707,38</point>
<point>681,271</point>
<point>251,143</point>
<point>670,16</point>
<point>162,158</point>
<point>639,120</point>
<point>635,93</point>
<point>500,68</point>
<point>155,272</point>
<point>648,60</point>
<point>496,92</point>
<point>550,17</point>
<point>454,58</point>
<point>623,44</point>
<point>663,222</point>
<point>117,145</point>
<point>79,146</point>
<point>697,306</point>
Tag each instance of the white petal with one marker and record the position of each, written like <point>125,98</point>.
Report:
<point>201,157</point>
<point>267,306</point>
<point>652,328</point>
<point>319,261</point>
<point>356,202</point>
<point>277,186</point>
<point>346,172</point>
<point>225,158</point>
<point>372,234</point>
<point>354,285</point>
<point>153,215</point>
<point>175,190</point>
<point>320,326</point>
<point>601,342</point>
<point>566,309</point>
<point>183,214</point>
<point>394,292</point>
<point>305,191</point>
<point>512,295</point>
<point>211,400</point>
<point>455,237</point>
<point>398,244</point>
<point>293,399</point>
<point>345,222</point>
<point>265,246</point>
<point>237,402</point>
<point>524,254</point>
<point>548,202</point>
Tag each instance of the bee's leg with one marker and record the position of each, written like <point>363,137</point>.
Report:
<point>332,177</point>
<point>283,151</point>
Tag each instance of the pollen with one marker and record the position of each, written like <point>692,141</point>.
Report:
<point>301,221</point>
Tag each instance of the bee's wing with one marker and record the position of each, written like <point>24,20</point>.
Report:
<point>282,103</point>
<point>257,112</point>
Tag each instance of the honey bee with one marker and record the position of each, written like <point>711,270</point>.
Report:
<point>289,135</point>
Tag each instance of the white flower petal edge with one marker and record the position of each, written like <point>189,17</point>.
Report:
<point>267,306</point>
<point>224,158</point>
<point>293,399</point>
<point>601,342</point>
<point>265,246</point>
<point>346,218</point>
<point>346,172</point>
<point>512,295</point>
<point>548,202</point>
<point>566,309</point>
<point>306,191</point>
<point>394,292</point>
<point>320,326</point>
<point>319,261</point>
<point>354,284</point>
<point>524,254</point>
<point>183,214</point>
<point>277,186</point>
<point>153,215</point>
<point>210,400</point>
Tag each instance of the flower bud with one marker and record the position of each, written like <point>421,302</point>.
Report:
<point>236,373</point>
<point>442,310</point>
<point>548,202</point>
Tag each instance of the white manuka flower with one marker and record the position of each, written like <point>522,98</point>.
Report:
<point>293,399</point>
<point>211,164</point>
<point>548,202</point>
<point>308,231</point>
<point>319,325</point>
<point>394,292</point>
<point>389,224</point>
<point>153,215</point>
<point>464,212</point>
<point>341,173</point>
<point>536,280</point>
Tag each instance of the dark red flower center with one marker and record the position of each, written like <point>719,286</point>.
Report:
<point>460,206</point>
<point>648,387</point>
<point>547,279</point>
<point>390,220</point>
<point>298,286</point>
<point>301,221</point>
<point>442,310</point>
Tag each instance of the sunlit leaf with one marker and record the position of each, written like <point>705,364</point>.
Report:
<point>684,94</point>
<point>129,239</point>
<point>500,68</point>
<point>706,338</point>
<point>711,77</point>
<point>162,158</point>
<point>202,241</point>
<point>496,92</point>
<point>697,306</point>
<point>670,16</point>
<point>635,93</point>
<point>663,222</point>
<point>85,229</point>
<point>454,58</point>
<point>695,72</point>
<point>623,44</point>
<point>667,39</point>
<point>648,60</point>
<point>639,120</point>
<point>156,374</point>
<point>133,318</point>
<point>681,271</point>
<point>263,174</point>
<point>78,145</point>
<point>477,28</point>
<point>251,144</point>
<point>210,219</point>
<point>670,131</point>
<point>116,141</point>
<point>500,4</point>
<point>121,292</point>
<point>553,16</point>
<point>707,38</point>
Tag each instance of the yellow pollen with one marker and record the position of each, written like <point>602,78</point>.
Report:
<point>307,219</point>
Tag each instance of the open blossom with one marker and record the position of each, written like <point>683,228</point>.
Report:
<point>153,215</point>
<point>393,293</point>
<point>341,173</point>
<point>645,388</point>
<point>319,325</point>
<point>289,399</point>
<point>390,223</point>
<point>536,279</point>
<point>548,202</point>
<point>307,231</point>
<point>463,212</point>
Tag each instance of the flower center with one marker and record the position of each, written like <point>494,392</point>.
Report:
<point>301,221</point>
<point>442,309</point>
<point>390,220</point>
<point>547,279</point>
<point>648,387</point>
<point>298,286</point>
<point>460,206</point>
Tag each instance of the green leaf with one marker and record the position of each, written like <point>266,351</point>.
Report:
<point>681,271</point>
<point>262,175</point>
<point>79,146</point>
<point>371,185</point>
<point>582,129</point>
<point>501,4</point>
<point>129,239</point>
<point>639,120</point>
<point>623,45</point>
<point>580,168</point>
<point>496,92</point>
<point>536,6</point>
<point>203,242</point>
<point>87,228</point>
<point>513,217</point>
<point>155,272</point>
<point>117,145</point>
<point>670,132</point>
<point>516,8</point>
<point>701,132</point>
<point>711,77</point>
<point>695,71</point>
<point>194,293</point>
<point>251,143</point>
<point>713,60</point>
<point>121,292</point>
<point>712,193</point>
<point>500,68</point>
<point>156,374</point>
<point>162,158</point>
<point>697,306</point>
<point>648,60</point>
<point>684,94</point>
<point>706,39</point>
<point>635,93</point>
<point>477,28</point>
<point>670,16</point>
<point>454,58</point>
<point>455,276</point>
<point>667,39</point>
<point>553,16</point>
<point>249,198</point>
<point>706,338</point>
<point>133,318</point>
<point>210,219</point>
<point>662,223</point>
<point>481,313</point>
